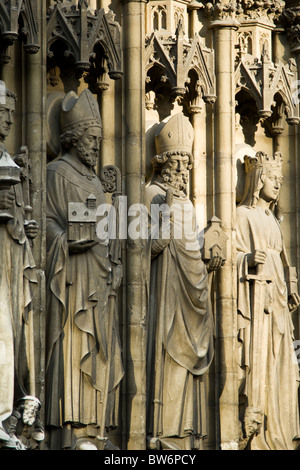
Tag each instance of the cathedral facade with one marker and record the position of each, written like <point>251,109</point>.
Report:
<point>129,68</point>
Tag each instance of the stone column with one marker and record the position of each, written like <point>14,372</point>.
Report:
<point>107,111</point>
<point>277,47</point>
<point>192,8</point>
<point>35,140</point>
<point>225,210</point>
<point>292,27</point>
<point>277,138</point>
<point>296,51</point>
<point>277,54</point>
<point>201,178</point>
<point>199,172</point>
<point>134,92</point>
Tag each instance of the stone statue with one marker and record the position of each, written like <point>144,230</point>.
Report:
<point>83,364</point>
<point>24,425</point>
<point>180,324</point>
<point>267,294</point>
<point>17,278</point>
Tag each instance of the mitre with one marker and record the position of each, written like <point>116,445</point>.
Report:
<point>77,110</point>
<point>174,134</point>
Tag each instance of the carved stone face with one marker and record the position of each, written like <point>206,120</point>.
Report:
<point>6,117</point>
<point>30,411</point>
<point>175,171</point>
<point>272,184</point>
<point>88,146</point>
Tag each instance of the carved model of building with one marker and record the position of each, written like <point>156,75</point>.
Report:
<point>233,68</point>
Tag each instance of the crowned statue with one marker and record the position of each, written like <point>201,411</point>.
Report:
<point>267,295</point>
<point>17,281</point>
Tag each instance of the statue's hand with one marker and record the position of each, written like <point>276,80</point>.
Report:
<point>80,246</point>
<point>257,257</point>
<point>166,234</point>
<point>22,157</point>
<point>215,263</point>
<point>7,198</point>
<point>117,276</point>
<point>293,301</point>
<point>31,229</point>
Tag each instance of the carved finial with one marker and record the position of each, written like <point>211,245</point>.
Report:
<point>179,30</point>
<point>265,53</point>
<point>83,5</point>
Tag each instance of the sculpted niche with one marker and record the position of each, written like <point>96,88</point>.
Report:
<point>18,406</point>
<point>267,294</point>
<point>180,323</point>
<point>84,363</point>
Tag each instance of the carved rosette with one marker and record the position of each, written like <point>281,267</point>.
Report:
<point>110,177</point>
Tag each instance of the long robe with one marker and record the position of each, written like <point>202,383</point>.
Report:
<point>180,331</point>
<point>17,279</point>
<point>278,378</point>
<point>84,361</point>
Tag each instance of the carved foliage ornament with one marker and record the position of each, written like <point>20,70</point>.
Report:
<point>110,177</point>
<point>291,20</point>
<point>244,9</point>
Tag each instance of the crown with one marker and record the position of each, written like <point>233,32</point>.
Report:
<point>262,160</point>
<point>79,110</point>
<point>174,133</point>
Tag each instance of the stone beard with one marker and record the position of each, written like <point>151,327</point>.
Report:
<point>172,170</point>
<point>83,345</point>
<point>180,346</point>
<point>176,179</point>
<point>88,157</point>
<point>30,411</point>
